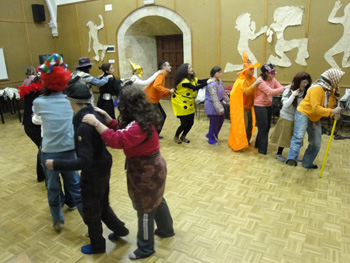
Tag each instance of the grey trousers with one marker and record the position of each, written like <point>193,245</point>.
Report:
<point>145,234</point>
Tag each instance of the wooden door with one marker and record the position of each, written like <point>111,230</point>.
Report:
<point>170,48</point>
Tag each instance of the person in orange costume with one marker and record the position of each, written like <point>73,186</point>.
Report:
<point>241,106</point>
<point>157,90</point>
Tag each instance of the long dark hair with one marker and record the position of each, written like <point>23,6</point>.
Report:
<point>264,72</point>
<point>182,73</point>
<point>133,106</point>
<point>298,78</point>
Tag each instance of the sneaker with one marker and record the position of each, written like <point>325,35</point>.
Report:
<point>137,254</point>
<point>280,158</point>
<point>177,140</point>
<point>212,141</point>
<point>132,255</point>
<point>58,226</point>
<point>313,166</point>
<point>183,139</point>
<point>291,162</point>
<point>71,208</point>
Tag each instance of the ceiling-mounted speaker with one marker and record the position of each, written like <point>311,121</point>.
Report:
<point>38,13</point>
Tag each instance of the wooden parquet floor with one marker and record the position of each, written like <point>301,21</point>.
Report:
<point>227,207</point>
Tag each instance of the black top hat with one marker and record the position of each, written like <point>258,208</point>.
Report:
<point>84,62</point>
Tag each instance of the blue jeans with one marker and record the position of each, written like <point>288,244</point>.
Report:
<point>302,124</point>
<point>70,180</point>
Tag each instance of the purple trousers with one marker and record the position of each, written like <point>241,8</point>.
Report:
<point>215,125</point>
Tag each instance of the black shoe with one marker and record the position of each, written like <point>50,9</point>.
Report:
<point>314,166</point>
<point>157,233</point>
<point>121,233</point>
<point>291,162</point>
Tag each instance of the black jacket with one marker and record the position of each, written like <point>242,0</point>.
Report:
<point>93,160</point>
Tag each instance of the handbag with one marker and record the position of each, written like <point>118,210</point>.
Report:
<point>200,96</point>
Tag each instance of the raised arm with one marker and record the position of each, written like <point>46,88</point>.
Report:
<point>332,18</point>
<point>101,25</point>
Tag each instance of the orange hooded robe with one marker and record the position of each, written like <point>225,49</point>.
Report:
<point>238,138</point>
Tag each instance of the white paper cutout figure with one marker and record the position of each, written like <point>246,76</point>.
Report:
<point>96,45</point>
<point>283,17</point>
<point>246,27</point>
<point>343,45</point>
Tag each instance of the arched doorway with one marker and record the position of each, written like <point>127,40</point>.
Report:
<point>141,33</point>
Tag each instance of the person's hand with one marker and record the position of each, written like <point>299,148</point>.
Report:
<point>337,110</point>
<point>336,116</point>
<point>160,72</point>
<point>258,81</point>
<point>172,91</point>
<point>210,80</point>
<point>295,92</point>
<point>110,76</point>
<point>100,111</point>
<point>104,114</point>
<point>337,4</point>
<point>49,163</point>
<point>90,119</point>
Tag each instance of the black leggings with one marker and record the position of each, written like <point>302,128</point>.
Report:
<point>162,115</point>
<point>186,124</point>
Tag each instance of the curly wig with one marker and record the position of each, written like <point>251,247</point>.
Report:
<point>57,80</point>
<point>133,106</point>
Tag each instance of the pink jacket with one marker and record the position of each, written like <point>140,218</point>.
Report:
<point>265,91</point>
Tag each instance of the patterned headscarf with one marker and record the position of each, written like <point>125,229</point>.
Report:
<point>52,61</point>
<point>329,80</point>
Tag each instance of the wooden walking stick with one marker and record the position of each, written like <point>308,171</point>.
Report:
<point>328,146</point>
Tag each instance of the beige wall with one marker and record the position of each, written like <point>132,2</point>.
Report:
<point>138,49</point>
<point>22,39</point>
<point>212,23</point>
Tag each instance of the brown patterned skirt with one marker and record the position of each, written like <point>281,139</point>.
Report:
<point>146,181</point>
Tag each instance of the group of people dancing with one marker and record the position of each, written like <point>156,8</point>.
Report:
<point>303,105</point>
<point>74,134</point>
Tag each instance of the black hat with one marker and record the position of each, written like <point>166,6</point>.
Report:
<point>84,62</point>
<point>78,93</point>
